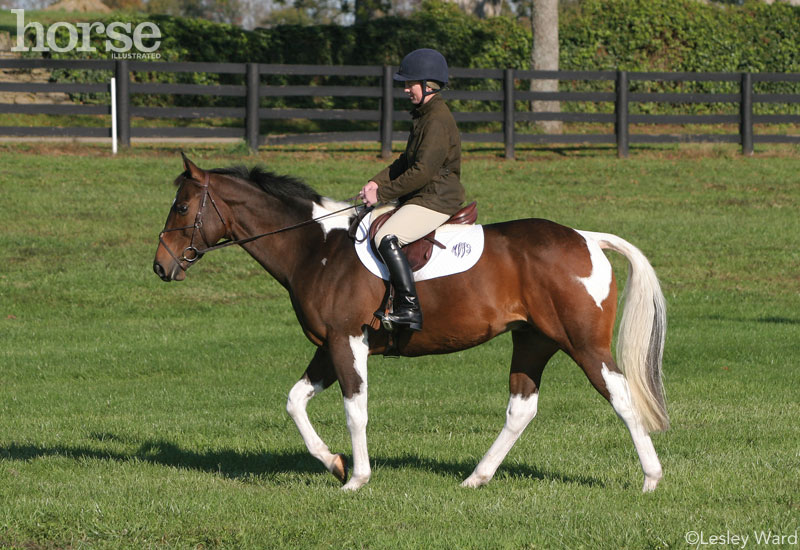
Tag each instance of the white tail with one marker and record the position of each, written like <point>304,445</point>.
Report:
<point>642,329</point>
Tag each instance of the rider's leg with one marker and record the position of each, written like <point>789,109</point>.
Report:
<point>405,308</point>
<point>408,224</point>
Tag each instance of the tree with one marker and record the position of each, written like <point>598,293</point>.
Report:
<point>129,5</point>
<point>307,12</point>
<point>370,9</point>
<point>481,8</point>
<point>544,57</point>
<point>220,11</point>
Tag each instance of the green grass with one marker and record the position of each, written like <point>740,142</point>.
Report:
<point>138,414</point>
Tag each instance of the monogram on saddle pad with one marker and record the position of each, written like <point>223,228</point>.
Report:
<point>420,251</point>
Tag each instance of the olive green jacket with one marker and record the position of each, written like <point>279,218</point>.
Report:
<point>428,173</point>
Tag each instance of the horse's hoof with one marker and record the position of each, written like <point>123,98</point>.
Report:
<point>339,468</point>
<point>474,481</point>
<point>650,484</point>
<point>355,483</point>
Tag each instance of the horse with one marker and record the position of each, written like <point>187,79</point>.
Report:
<point>551,286</point>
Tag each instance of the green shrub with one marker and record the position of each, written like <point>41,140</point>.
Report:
<point>633,35</point>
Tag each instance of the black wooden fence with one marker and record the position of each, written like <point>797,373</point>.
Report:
<point>507,94</point>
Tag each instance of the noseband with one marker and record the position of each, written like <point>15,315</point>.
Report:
<point>191,253</point>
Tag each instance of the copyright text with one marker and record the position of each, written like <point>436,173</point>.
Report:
<point>700,539</point>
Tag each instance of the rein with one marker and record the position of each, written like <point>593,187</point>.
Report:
<point>196,253</point>
<point>231,242</point>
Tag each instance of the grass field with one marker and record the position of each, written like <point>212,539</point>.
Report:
<point>137,414</point>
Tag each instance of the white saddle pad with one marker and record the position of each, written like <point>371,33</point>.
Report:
<point>463,248</point>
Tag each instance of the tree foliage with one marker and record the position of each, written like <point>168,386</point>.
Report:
<point>681,35</point>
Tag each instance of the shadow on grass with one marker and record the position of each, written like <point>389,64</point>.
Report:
<point>228,463</point>
<point>234,464</point>
<point>764,319</point>
<point>459,470</point>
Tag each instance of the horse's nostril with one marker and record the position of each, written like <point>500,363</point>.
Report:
<point>159,270</point>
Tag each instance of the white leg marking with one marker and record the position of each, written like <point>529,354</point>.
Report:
<point>355,410</point>
<point>598,283</point>
<point>519,413</point>
<point>299,396</point>
<point>623,405</point>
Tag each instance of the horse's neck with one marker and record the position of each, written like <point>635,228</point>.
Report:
<point>283,253</point>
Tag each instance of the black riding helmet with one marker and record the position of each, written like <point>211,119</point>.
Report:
<point>424,65</point>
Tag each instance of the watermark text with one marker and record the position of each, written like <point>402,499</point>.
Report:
<point>121,37</point>
<point>703,539</point>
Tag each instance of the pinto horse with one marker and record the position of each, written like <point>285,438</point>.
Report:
<point>551,286</point>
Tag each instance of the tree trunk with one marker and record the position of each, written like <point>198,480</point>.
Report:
<point>544,57</point>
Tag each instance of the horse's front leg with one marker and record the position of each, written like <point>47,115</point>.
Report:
<point>319,375</point>
<point>349,355</point>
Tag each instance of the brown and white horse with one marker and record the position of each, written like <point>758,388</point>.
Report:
<point>551,286</point>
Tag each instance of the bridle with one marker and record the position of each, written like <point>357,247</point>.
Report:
<point>191,253</point>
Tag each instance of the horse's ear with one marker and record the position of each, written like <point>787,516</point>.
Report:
<point>191,169</point>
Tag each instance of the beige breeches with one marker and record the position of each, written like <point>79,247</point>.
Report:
<point>409,223</point>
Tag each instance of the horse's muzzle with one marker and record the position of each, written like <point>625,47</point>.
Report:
<point>176,273</point>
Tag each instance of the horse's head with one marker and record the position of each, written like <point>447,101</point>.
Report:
<point>194,223</point>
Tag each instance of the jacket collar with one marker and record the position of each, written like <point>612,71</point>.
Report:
<point>420,110</point>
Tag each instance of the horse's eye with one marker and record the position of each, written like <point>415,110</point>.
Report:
<point>182,209</point>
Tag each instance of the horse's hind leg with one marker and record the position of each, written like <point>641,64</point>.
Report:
<point>532,350</point>
<point>318,376</point>
<point>604,375</point>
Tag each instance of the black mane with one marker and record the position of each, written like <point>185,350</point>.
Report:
<point>283,188</point>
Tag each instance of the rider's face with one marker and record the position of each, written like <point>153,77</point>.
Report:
<point>414,90</point>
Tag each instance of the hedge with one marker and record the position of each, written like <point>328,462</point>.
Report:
<point>634,35</point>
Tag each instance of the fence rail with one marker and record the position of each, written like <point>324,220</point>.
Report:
<point>508,96</point>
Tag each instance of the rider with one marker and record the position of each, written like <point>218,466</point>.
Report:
<point>424,180</point>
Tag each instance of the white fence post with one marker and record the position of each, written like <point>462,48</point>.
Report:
<point>113,115</point>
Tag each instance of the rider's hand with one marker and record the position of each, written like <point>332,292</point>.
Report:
<point>369,193</point>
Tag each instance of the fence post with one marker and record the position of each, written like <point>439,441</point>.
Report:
<point>387,112</point>
<point>621,126</point>
<point>508,111</point>
<point>252,120</point>
<point>746,114</point>
<point>122,74</point>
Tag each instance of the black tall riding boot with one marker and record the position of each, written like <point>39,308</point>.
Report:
<point>405,311</point>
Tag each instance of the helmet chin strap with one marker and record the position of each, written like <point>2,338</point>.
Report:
<point>425,92</point>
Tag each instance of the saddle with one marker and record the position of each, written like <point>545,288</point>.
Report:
<point>420,251</point>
